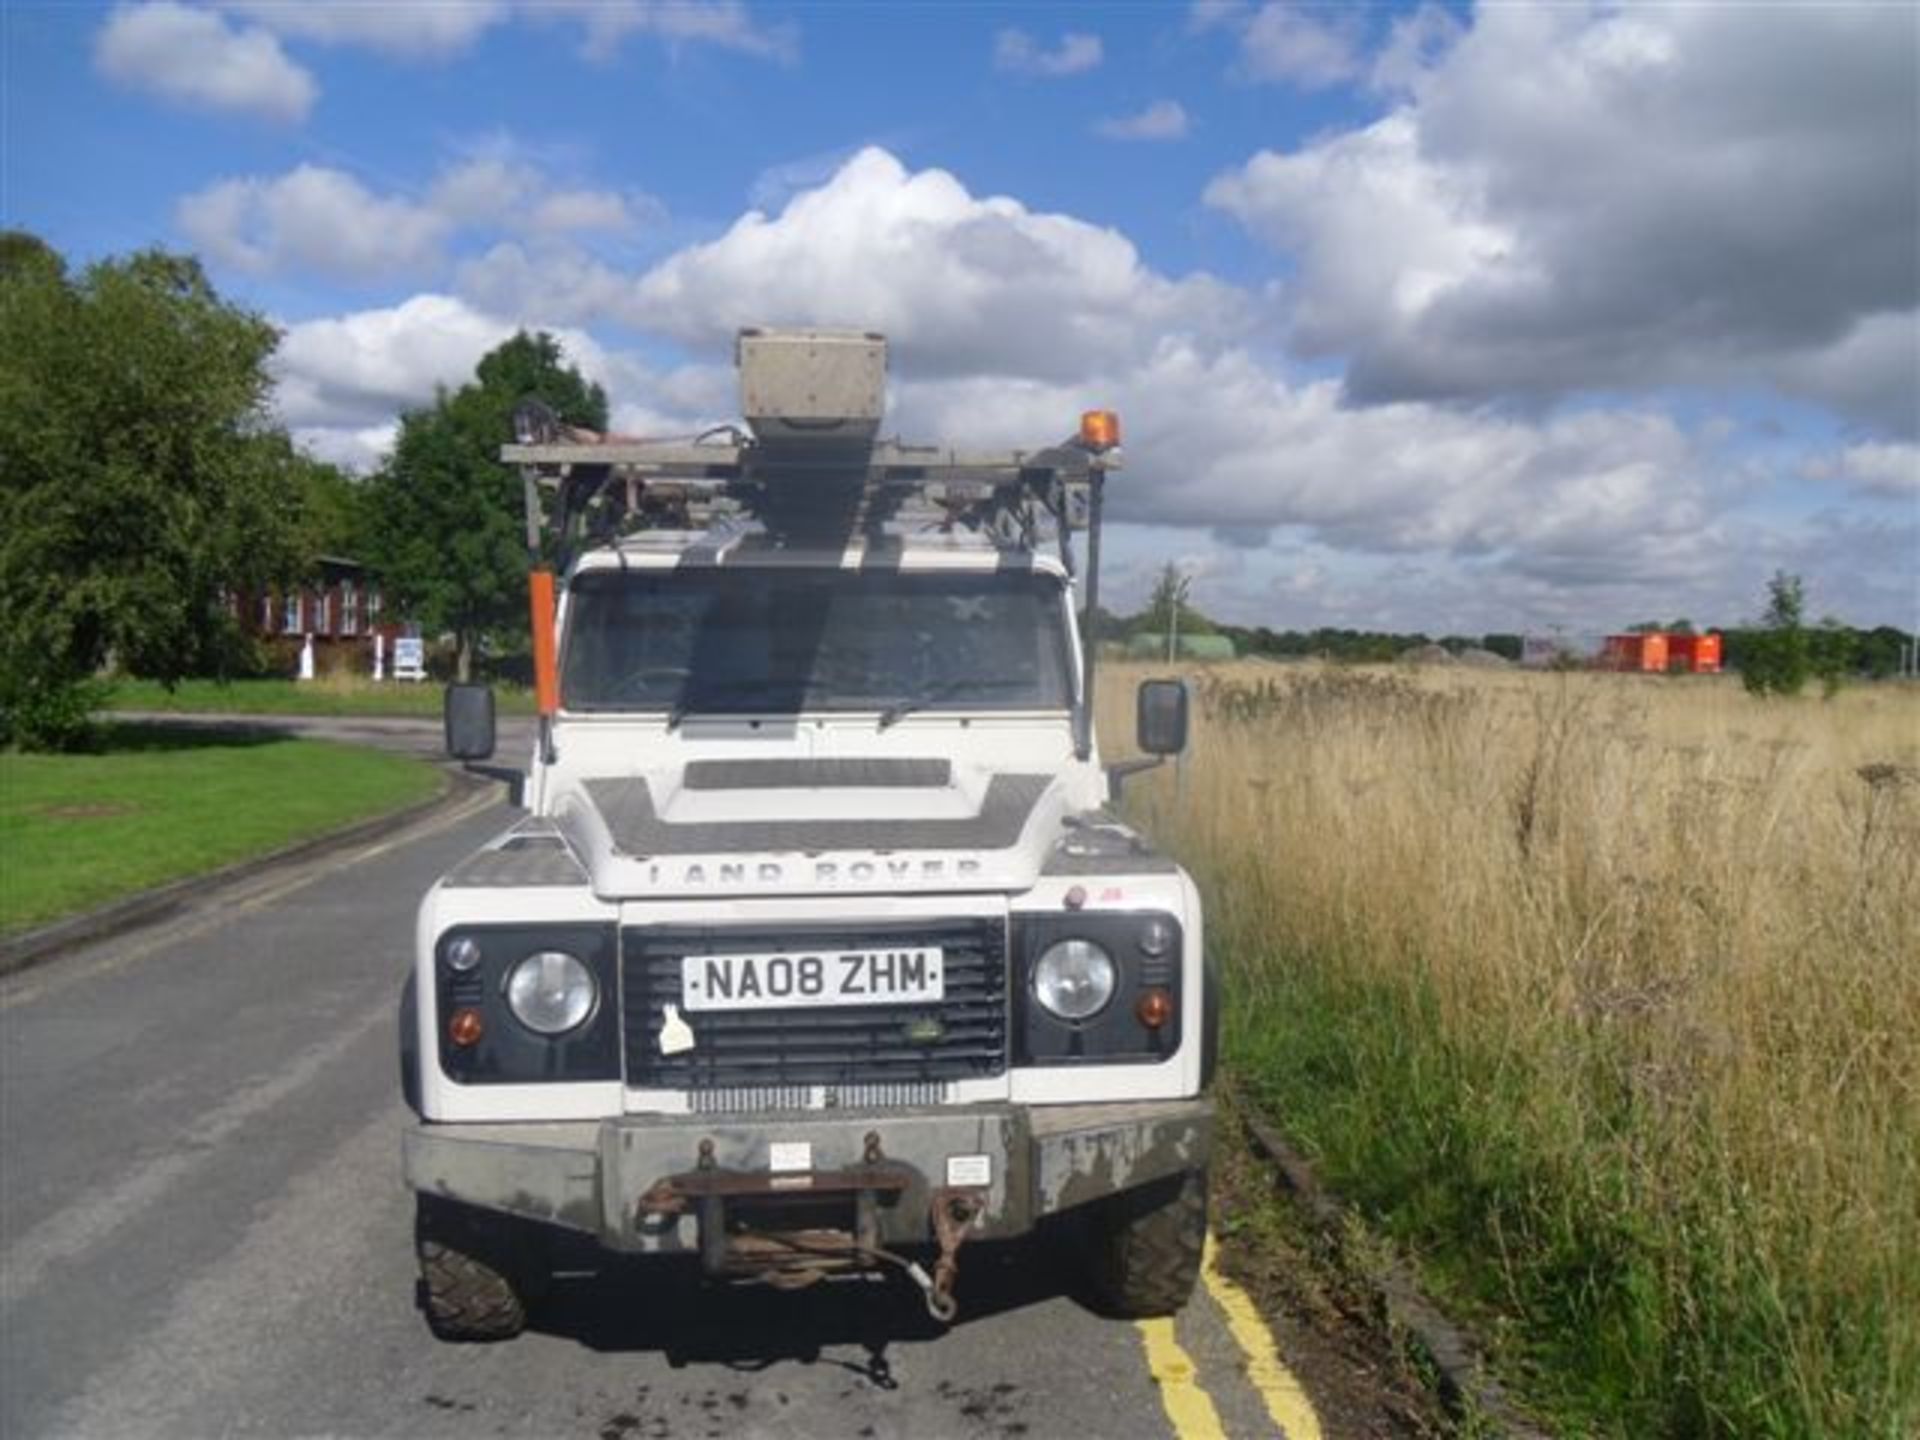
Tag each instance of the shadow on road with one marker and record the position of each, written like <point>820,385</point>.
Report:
<point>667,1306</point>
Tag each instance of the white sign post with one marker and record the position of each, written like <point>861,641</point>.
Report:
<point>379,656</point>
<point>306,659</point>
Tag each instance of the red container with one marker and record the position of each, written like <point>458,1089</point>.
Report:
<point>1695,654</point>
<point>1639,652</point>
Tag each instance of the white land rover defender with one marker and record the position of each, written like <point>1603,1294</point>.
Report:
<point>818,950</point>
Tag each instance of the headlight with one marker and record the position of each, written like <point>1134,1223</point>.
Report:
<point>551,992</point>
<point>1074,979</point>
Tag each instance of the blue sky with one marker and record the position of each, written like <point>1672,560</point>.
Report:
<point>1418,316</point>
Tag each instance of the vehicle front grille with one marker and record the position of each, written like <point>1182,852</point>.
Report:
<point>771,1099</point>
<point>852,1047</point>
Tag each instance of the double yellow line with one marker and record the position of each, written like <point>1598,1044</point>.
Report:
<point>1189,1408</point>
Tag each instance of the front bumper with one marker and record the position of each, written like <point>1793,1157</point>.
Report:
<point>619,1180</point>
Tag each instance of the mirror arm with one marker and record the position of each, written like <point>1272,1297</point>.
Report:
<point>514,778</point>
<point>1120,770</point>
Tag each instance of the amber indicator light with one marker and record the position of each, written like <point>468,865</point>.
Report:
<point>1099,430</point>
<point>1153,1009</point>
<point>465,1028</point>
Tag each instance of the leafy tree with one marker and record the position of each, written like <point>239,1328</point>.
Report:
<point>1881,651</point>
<point>333,517</point>
<point>445,525</point>
<point>140,479</point>
<point>1170,610</point>
<point>1786,602</point>
<point>1831,652</point>
<point>1777,659</point>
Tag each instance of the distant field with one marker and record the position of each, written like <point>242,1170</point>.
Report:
<point>79,830</point>
<point>333,696</point>
<point>1602,995</point>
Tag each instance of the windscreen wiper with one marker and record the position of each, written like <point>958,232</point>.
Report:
<point>943,690</point>
<point>689,702</point>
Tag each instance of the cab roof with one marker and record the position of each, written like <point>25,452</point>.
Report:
<point>674,550</point>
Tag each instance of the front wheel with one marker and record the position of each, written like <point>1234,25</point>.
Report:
<point>1145,1246</point>
<point>466,1274</point>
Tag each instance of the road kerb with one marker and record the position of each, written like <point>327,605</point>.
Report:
<point>1465,1386</point>
<point>46,942</point>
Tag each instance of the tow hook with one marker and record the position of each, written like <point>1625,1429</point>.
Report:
<point>954,1212</point>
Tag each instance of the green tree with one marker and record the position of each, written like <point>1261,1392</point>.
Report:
<point>141,481</point>
<point>1882,650</point>
<point>1833,649</point>
<point>332,509</point>
<point>444,518</point>
<point>1777,658</point>
<point>1170,611</point>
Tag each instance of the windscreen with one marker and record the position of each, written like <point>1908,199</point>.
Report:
<point>772,640</point>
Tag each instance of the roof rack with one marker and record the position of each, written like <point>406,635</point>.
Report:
<point>597,492</point>
<point>807,467</point>
<point>810,468</point>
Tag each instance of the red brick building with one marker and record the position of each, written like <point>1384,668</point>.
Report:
<point>341,608</point>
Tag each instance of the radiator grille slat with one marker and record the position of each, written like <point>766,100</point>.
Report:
<point>773,1099</point>
<point>768,1059</point>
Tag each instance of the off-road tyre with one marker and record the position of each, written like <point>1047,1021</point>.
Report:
<point>467,1287</point>
<point>1145,1246</point>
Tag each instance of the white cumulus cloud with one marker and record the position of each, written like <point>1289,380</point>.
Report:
<point>727,24</point>
<point>1572,198</point>
<point>341,382</point>
<point>1300,46</point>
<point>1019,53</point>
<point>1008,322</point>
<point>964,284</point>
<point>1161,120</point>
<point>414,29</point>
<point>355,371</point>
<point>196,54</point>
<point>325,221</point>
<point>194,57</point>
<point>314,219</point>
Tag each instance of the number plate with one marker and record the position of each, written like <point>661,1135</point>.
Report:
<point>812,978</point>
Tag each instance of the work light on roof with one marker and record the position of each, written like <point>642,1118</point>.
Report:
<point>1100,430</point>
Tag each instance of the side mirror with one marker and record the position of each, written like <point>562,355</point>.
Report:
<point>1160,715</point>
<point>469,721</point>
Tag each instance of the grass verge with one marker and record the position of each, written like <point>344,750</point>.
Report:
<point>1597,996</point>
<point>343,695</point>
<point>155,805</point>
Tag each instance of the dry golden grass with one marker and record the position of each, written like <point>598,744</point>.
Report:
<point>1605,992</point>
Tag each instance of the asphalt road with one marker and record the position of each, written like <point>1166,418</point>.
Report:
<point>203,1232</point>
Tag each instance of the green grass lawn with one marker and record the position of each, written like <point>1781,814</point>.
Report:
<point>293,697</point>
<point>79,830</point>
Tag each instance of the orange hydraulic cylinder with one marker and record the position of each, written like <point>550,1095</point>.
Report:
<point>546,677</point>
